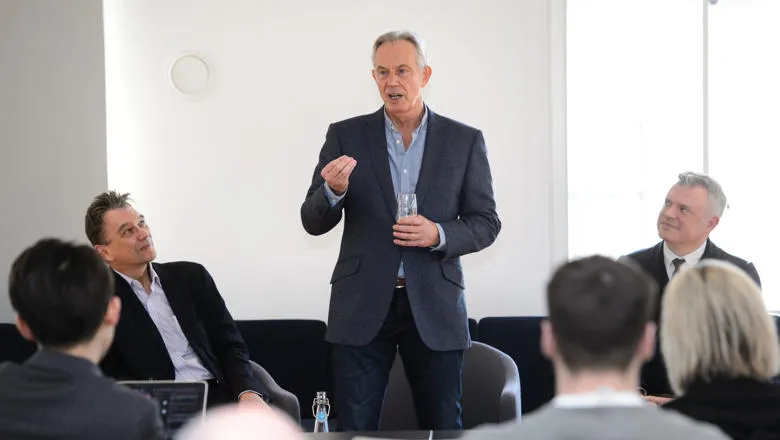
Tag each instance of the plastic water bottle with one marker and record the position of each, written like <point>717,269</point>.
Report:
<point>320,409</point>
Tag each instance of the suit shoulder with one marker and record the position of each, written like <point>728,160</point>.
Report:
<point>452,124</point>
<point>720,254</point>
<point>644,255</point>
<point>122,396</point>
<point>740,262</point>
<point>353,122</point>
<point>181,266</point>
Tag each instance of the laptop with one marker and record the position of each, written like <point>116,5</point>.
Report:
<point>179,402</point>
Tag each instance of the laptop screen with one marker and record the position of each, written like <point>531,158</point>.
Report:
<point>178,401</point>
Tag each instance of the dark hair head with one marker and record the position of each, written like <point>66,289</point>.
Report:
<point>93,220</point>
<point>599,309</point>
<point>61,290</point>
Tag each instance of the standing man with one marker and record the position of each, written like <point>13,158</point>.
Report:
<point>692,209</point>
<point>399,285</point>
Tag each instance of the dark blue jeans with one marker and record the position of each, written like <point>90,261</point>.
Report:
<point>360,375</point>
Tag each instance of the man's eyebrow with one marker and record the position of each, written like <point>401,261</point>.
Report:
<point>124,226</point>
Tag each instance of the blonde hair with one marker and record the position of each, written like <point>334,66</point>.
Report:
<point>715,324</point>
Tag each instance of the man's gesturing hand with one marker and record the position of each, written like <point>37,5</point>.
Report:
<point>336,173</point>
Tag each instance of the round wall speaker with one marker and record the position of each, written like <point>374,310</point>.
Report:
<point>189,73</point>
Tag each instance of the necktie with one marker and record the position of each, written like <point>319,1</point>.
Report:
<point>677,262</point>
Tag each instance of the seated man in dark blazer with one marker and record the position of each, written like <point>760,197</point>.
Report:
<point>174,325</point>
<point>63,295</point>
<point>692,209</point>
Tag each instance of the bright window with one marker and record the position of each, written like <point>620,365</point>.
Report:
<point>634,116</point>
<point>639,101</point>
<point>744,141</point>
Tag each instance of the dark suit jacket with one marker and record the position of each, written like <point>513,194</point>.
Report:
<point>454,189</point>
<point>743,408</point>
<point>654,378</point>
<point>138,351</point>
<point>57,396</point>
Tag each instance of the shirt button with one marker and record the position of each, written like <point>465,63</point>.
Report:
<point>397,142</point>
<point>404,171</point>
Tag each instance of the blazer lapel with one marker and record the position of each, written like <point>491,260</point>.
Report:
<point>181,304</point>
<point>435,142</point>
<point>711,251</point>
<point>659,267</point>
<point>377,147</point>
<point>178,300</point>
<point>135,316</point>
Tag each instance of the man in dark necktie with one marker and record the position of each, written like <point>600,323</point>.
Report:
<point>691,210</point>
<point>677,263</point>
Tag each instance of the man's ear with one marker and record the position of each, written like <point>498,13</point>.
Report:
<point>105,254</point>
<point>426,75</point>
<point>113,312</point>
<point>549,347</point>
<point>24,329</point>
<point>712,222</point>
<point>647,343</point>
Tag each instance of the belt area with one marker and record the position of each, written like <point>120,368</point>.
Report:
<point>400,283</point>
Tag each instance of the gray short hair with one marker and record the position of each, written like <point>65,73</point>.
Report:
<point>715,324</point>
<point>393,36</point>
<point>714,190</point>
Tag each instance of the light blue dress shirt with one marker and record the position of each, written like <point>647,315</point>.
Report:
<point>404,167</point>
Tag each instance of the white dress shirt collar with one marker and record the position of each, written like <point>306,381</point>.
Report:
<point>690,260</point>
<point>152,274</point>
<point>603,397</point>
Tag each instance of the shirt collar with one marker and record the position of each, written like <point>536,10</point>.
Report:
<point>423,124</point>
<point>152,274</point>
<point>690,259</point>
<point>599,398</point>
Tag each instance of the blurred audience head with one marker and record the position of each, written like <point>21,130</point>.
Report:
<point>599,316</point>
<point>716,326</point>
<point>241,423</point>
<point>63,295</point>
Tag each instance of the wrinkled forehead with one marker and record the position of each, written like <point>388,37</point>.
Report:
<point>115,219</point>
<point>395,54</point>
<point>693,196</point>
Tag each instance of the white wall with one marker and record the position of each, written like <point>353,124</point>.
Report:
<point>52,123</point>
<point>221,176</point>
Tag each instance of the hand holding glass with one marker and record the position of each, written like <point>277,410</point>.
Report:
<point>407,205</point>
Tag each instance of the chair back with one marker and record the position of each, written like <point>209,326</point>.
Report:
<point>491,391</point>
<point>519,337</point>
<point>13,347</point>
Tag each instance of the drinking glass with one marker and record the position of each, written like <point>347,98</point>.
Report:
<point>407,205</point>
